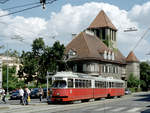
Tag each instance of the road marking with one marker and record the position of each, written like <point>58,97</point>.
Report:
<point>133,110</point>
<point>88,108</point>
<point>102,109</point>
<point>119,109</point>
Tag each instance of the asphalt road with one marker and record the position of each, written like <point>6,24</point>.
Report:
<point>135,103</point>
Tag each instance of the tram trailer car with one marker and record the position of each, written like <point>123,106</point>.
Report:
<point>69,86</point>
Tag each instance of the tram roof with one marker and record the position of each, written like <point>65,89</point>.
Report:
<point>70,74</point>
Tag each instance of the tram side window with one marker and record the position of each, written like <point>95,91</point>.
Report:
<point>113,85</point>
<point>109,84</point>
<point>89,83</point>
<point>70,83</point>
<point>86,83</point>
<point>121,85</point>
<point>104,85</point>
<point>96,84</point>
<point>117,85</point>
<point>76,83</point>
<point>80,83</point>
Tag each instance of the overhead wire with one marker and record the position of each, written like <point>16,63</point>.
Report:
<point>4,1</point>
<point>20,6</point>
<point>140,39</point>
<point>49,2</point>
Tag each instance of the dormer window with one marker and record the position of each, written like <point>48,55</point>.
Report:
<point>109,55</point>
<point>113,56</point>
<point>72,53</point>
<point>105,54</point>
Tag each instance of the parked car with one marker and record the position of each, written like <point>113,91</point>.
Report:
<point>34,93</point>
<point>15,95</point>
<point>127,91</point>
<point>13,91</point>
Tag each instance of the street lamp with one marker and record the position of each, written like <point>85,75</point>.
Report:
<point>7,70</point>
<point>7,64</point>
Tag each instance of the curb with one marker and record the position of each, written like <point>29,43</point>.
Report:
<point>4,107</point>
<point>37,104</point>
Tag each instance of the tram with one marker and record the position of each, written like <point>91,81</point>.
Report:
<point>69,86</point>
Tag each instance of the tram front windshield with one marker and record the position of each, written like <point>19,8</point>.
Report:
<point>59,84</point>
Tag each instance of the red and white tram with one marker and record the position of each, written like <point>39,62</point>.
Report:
<point>69,86</point>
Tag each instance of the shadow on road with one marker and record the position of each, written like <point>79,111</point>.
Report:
<point>146,111</point>
<point>145,98</point>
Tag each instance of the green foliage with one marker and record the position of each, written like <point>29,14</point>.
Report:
<point>40,60</point>
<point>106,42</point>
<point>13,82</point>
<point>145,75</point>
<point>12,53</point>
<point>133,82</point>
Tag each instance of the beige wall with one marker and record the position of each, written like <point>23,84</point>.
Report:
<point>113,70</point>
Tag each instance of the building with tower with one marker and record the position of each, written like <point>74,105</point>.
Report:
<point>104,29</point>
<point>94,51</point>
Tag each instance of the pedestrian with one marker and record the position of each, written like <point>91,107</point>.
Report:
<point>21,93</point>
<point>49,94</point>
<point>40,93</point>
<point>25,96</point>
<point>28,91</point>
<point>3,95</point>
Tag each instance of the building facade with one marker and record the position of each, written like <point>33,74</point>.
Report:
<point>94,51</point>
<point>11,61</point>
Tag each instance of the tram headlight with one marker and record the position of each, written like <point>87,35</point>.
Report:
<point>57,94</point>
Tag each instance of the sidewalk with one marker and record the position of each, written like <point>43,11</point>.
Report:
<point>16,104</point>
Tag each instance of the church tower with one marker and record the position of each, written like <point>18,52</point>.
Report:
<point>104,29</point>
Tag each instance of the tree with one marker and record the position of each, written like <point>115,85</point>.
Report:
<point>12,53</point>
<point>133,82</point>
<point>29,67</point>
<point>40,60</point>
<point>145,75</point>
<point>13,82</point>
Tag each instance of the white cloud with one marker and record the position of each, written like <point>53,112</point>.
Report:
<point>74,19</point>
<point>141,14</point>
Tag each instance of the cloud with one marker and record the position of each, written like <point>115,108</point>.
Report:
<point>27,28</point>
<point>74,19</point>
<point>141,14</point>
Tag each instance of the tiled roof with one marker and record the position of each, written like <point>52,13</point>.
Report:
<point>131,57</point>
<point>101,21</point>
<point>86,45</point>
<point>91,47</point>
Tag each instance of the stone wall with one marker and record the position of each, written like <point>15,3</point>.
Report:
<point>133,68</point>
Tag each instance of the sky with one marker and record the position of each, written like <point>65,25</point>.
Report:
<point>63,18</point>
